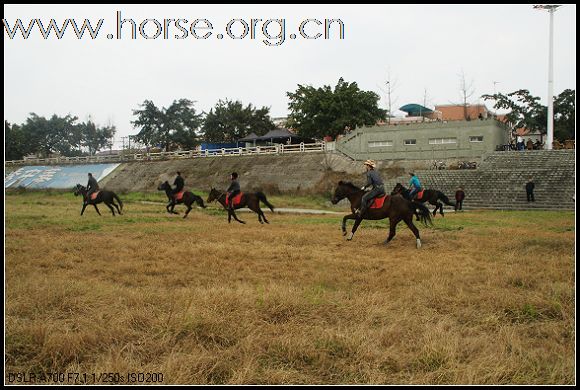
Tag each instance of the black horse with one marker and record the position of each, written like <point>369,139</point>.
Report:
<point>187,199</point>
<point>431,196</point>
<point>108,197</point>
<point>250,200</point>
<point>395,208</point>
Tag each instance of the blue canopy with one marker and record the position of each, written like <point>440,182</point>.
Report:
<point>415,109</point>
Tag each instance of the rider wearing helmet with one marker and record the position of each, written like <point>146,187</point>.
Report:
<point>233,189</point>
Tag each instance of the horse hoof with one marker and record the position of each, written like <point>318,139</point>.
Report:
<point>344,233</point>
<point>385,242</point>
<point>418,244</point>
<point>349,238</point>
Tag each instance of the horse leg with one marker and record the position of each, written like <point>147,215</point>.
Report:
<point>188,209</point>
<point>260,214</point>
<point>409,223</point>
<point>236,217</point>
<point>111,208</point>
<point>357,222</point>
<point>440,208</point>
<point>350,216</point>
<point>83,209</point>
<point>229,216</point>
<point>264,216</point>
<point>392,230</point>
<point>96,208</point>
<point>117,207</point>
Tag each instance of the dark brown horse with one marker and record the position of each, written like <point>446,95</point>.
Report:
<point>431,196</point>
<point>395,208</point>
<point>108,197</point>
<point>250,200</point>
<point>187,199</point>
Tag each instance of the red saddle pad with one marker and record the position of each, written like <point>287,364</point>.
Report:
<point>378,202</point>
<point>237,199</point>
<point>94,195</point>
<point>179,195</point>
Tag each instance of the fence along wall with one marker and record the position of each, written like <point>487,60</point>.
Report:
<point>127,157</point>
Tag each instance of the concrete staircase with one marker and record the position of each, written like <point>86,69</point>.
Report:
<point>499,182</point>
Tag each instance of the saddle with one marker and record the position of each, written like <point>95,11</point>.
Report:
<point>378,202</point>
<point>237,199</point>
<point>179,195</point>
<point>419,195</point>
<point>94,195</point>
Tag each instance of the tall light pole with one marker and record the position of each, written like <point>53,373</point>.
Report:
<point>550,131</point>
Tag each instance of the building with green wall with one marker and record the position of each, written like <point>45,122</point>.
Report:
<point>454,140</point>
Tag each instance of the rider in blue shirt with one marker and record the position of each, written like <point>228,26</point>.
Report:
<point>414,185</point>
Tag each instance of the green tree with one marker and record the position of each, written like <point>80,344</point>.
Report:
<point>94,137</point>
<point>54,135</point>
<point>176,125</point>
<point>318,112</point>
<point>229,121</point>
<point>565,115</point>
<point>527,112</point>
<point>15,144</point>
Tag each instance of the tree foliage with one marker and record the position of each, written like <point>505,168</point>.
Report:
<point>229,121</point>
<point>57,135</point>
<point>318,112</point>
<point>174,126</point>
<point>565,115</point>
<point>525,111</point>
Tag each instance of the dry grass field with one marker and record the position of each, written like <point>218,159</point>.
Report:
<point>489,299</point>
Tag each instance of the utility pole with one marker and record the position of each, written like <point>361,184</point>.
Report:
<point>550,127</point>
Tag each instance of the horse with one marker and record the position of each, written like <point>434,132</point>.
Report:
<point>187,199</point>
<point>108,197</point>
<point>250,200</point>
<point>431,196</point>
<point>395,208</point>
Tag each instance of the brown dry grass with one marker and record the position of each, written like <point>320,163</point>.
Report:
<point>489,299</point>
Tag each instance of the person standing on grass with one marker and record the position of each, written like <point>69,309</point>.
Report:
<point>459,196</point>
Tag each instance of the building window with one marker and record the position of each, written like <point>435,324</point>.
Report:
<point>441,141</point>
<point>379,144</point>
<point>478,138</point>
<point>410,142</point>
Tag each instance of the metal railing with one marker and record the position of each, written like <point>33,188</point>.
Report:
<point>160,156</point>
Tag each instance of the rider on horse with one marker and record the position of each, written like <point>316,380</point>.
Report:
<point>92,186</point>
<point>414,186</point>
<point>233,190</point>
<point>179,183</point>
<point>374,180</point>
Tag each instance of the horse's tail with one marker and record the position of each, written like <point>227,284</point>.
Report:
<point>262,197</point>
<point>199,201</point>
<point>118,200</point>
<point>424,213</point>
<point>445,199</point>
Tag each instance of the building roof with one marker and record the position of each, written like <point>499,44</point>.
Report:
<point>456,112</point>
<point>249,137</point>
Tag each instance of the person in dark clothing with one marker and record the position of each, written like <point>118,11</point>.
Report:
<point>92,185</point>
<point>179,183</point>
<point>459,196</point>
<point>530,190</point>
<point>233,189</point>
<point>374,180</point>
